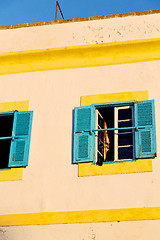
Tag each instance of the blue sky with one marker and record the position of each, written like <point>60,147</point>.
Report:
<point>27,11</point>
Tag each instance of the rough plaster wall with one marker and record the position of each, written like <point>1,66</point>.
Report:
<point>136,230</point>
<point>80,33</point>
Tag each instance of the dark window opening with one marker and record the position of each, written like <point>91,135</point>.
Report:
<point>6,125</point>
<point>5,150</point>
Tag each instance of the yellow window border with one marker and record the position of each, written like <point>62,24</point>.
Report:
<point>141,165</point>
<point>13,173</point>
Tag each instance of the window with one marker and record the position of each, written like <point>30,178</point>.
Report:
<point>112,132</point>
<point>15,131</point>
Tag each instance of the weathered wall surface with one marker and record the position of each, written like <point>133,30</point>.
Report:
<point>144,230</point>
<point>80,33</point>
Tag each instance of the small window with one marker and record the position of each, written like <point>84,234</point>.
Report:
<point>15,131</point>
<point>113,132</point>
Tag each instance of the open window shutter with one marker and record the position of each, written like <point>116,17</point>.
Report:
<point>20,142</point>
<point>145,134</point>
<point>82,149</point>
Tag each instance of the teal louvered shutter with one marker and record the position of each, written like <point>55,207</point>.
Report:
<point>145,134</point>
<point>82,148</point>
<point>20,143</point>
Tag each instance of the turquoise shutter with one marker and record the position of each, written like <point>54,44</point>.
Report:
<point>145,134</point>
<point>82,148</point>
<point>20,142</point>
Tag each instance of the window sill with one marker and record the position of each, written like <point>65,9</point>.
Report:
<point>138,166</point>
<point>12,174</point>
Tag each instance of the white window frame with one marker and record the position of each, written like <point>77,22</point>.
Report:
<point>116,109</point>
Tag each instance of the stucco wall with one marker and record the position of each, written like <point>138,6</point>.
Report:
<point>50,182</point>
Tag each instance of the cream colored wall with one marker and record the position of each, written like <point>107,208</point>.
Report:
<point>139,230</point>
<point>80,33</point>
<point>50,181</point>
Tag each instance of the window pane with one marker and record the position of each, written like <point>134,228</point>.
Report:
<point>125,114</point>
<point>125,139</point>
<point>125,124</point>
<point>125,153</point>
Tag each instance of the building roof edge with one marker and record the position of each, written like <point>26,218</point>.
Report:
<point>34,24</point>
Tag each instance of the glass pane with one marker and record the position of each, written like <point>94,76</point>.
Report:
<point>125,114</point>
<point>125,139</point>
<point>125,153</point>
<point>125,124</point>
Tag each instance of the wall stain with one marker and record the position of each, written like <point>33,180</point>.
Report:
<point>3,235</point>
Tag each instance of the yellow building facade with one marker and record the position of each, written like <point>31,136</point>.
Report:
<point>50,68</point>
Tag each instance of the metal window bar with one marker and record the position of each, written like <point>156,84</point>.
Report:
<point>121,128</point>
<point>112,129</point>
<point>12,137</point>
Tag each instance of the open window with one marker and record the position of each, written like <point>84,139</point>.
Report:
<point>15,132</point>
<point>116,144</point>
<point>113,132</point>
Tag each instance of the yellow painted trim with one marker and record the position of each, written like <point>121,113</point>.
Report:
<point>12,106</point>
<point>114,97</point>
<point>80,56</point>
<point>89,216</point>
<point>13,173</point>
<point>88,169</point>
